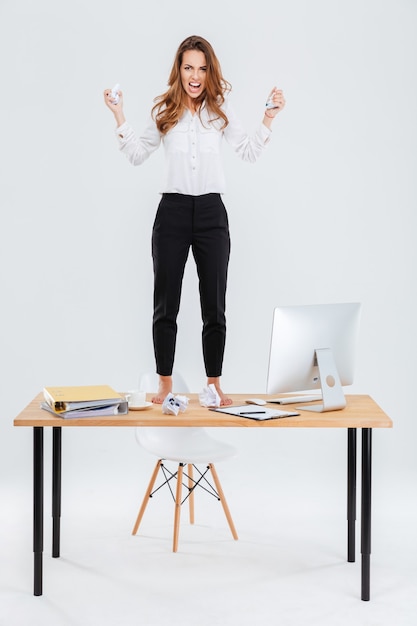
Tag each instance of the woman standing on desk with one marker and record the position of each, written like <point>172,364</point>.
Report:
<point>191,119</point>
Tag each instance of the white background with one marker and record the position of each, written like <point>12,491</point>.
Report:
<point>326,215</point>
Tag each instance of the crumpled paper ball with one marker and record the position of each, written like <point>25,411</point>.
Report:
<point>209,396</point>
<point>172,405</point>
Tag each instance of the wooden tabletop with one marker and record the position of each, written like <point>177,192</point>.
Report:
<point>361,412</point>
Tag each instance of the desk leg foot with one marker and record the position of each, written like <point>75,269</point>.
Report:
<point>37,508</point>
<point>37,574</point>
<point>366,511</point>
<point>366,571</point>
<point>56,489</point>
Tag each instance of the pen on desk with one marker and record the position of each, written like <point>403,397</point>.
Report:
<point>251,412</point>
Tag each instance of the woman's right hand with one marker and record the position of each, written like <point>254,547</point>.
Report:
<point>117,109</point>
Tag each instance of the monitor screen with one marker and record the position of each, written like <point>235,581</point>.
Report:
<point>313,347</point>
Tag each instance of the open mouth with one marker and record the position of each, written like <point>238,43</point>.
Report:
<point>194,86</point>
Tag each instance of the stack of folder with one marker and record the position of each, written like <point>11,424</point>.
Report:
<point>84,401</point>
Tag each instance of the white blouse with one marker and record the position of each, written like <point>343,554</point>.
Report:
<point>193,149</point>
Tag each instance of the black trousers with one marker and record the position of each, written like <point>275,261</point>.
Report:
<point>181,222</point>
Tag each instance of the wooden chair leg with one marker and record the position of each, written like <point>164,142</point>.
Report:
<point>177,513</point>
<point>223,500</point>
<point>191,496</point>
<point>146,498</point>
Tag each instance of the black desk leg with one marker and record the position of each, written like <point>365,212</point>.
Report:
<point>37,508</point>
<point>366,510</point>
<point>351,493</point>
<point>56,489</point>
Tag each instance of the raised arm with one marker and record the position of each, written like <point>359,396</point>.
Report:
<point>250,147</point>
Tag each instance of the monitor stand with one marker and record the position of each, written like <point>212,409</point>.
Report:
<point>331,388</point>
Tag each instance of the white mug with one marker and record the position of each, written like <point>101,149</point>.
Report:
<point>136,398</point>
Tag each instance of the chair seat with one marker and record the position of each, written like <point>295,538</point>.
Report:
<point>184,444</point>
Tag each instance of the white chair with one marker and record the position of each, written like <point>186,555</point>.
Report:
<point>188,446</point>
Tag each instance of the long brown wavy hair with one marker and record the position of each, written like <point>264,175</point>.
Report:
<point>170,105</point>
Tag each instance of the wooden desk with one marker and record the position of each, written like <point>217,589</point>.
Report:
<point>361,413</point>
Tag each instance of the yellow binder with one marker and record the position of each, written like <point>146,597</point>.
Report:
<point>84,396</point>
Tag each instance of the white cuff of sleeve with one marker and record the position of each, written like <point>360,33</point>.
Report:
<point>265,133</point>
<point>121,131</point>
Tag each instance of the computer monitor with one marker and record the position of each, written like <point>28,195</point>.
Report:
<point>314,347</point>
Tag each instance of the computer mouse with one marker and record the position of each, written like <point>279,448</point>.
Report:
<point>256,401</point>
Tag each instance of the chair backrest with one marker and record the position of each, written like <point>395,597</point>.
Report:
<point>149,381</point>
<point>156,440</point>
<point>189,444</point>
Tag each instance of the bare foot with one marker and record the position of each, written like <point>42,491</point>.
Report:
<point>165,387</point>
<point>224,400</point>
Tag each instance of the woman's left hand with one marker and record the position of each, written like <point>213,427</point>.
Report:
<point>276,102</point>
